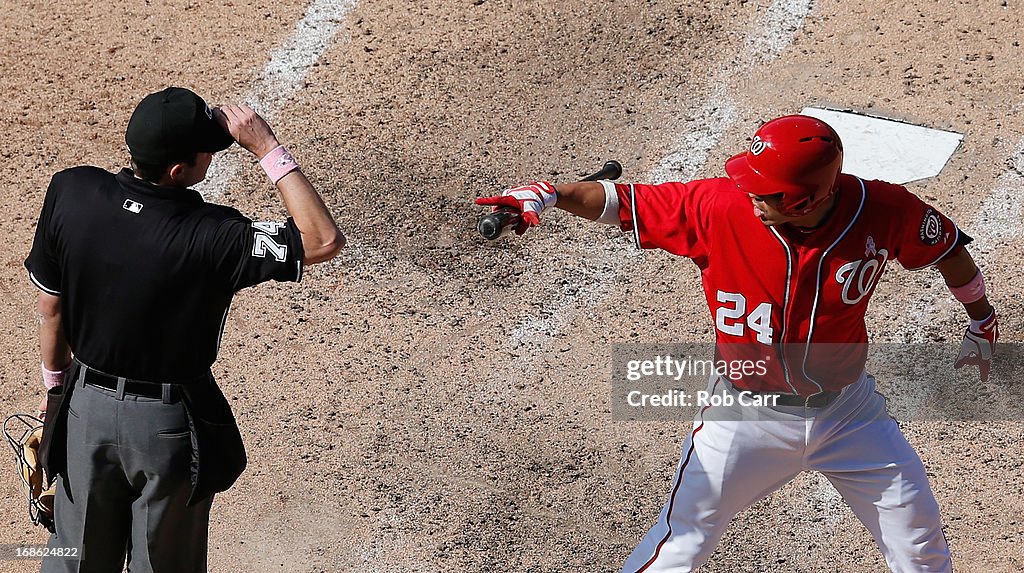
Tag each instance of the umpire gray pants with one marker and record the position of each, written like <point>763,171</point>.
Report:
<point>127,482</point>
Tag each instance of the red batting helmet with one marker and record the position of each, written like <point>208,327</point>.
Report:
<point>796,155</point>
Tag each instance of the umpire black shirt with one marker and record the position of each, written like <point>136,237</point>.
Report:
<point>146,273</point>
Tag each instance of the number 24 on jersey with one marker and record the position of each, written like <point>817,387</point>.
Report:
<point>732,317</point>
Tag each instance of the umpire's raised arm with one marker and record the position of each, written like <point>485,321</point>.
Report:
<point>321,238</point>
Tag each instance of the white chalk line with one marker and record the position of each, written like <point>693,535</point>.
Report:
<point>998,220</point>
<point>700,136</point>
<point>280,79</point>
<point>996,224</point>
<point>765,41</point>
<point>779,26</point>
<point>592,280</point>
<point>775,33</point>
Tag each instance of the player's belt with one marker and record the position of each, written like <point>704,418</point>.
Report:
<point>819,400</point>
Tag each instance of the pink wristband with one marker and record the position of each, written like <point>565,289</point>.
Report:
<point>278,163</point>
<point>973,291</point>
<point>52,378</point>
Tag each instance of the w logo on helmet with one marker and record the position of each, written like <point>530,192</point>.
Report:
<point>804,163</point>
<point>758,145</point>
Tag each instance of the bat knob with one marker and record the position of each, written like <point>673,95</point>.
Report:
<point>489,227</point>
<point>614,169</point>
<point>494,225</point>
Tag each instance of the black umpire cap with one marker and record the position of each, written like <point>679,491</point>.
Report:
<point>171,125</point>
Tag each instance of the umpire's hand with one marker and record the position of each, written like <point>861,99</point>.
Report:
<point>247,127</point>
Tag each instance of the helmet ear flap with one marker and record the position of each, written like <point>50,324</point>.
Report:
<point>802,203</point>
<point>809,202</point>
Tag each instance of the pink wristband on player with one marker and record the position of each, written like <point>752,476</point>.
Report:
<point>972,291</point>
<point>278,163</point>
<point>52,378</point>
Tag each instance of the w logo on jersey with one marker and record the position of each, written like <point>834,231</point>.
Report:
<point>859,277</point>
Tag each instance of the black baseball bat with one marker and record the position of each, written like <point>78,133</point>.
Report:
<point>494,225</point>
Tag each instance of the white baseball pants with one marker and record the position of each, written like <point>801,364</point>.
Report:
<point>737,455</point>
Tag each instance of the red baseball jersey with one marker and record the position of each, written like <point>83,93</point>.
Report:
<point>794,300</point>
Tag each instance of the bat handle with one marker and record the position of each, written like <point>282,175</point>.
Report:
<point>497,224</point>
<point>611,170</point>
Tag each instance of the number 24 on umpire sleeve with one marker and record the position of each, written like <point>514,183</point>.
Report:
<point>263,243</point>
<point>729,318</point>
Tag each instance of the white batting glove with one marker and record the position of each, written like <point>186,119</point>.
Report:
<point>529,200</point>
<point>978,346</point>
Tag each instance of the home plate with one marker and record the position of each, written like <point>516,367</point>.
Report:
<point>886,149</point>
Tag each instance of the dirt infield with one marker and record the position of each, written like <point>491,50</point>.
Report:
<point>429,402</point>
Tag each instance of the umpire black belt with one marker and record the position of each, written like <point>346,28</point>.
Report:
<point>99,379</point>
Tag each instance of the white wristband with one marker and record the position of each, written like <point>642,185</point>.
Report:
<point>610,214</point>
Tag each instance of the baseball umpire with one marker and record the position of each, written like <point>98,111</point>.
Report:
<point>136,274</point>
<point>790,250</point>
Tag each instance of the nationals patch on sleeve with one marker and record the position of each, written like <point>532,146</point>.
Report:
<point>931,228</point>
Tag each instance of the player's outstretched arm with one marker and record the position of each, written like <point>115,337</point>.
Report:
<point>965,281</point>
<point>584,199</point>
<point>321,238</point>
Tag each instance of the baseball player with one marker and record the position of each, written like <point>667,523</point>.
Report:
<point>136,273</point>
<point>790,250</point>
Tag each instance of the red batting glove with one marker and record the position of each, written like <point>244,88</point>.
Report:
<point>979,342</point>
<point>529,201</point>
